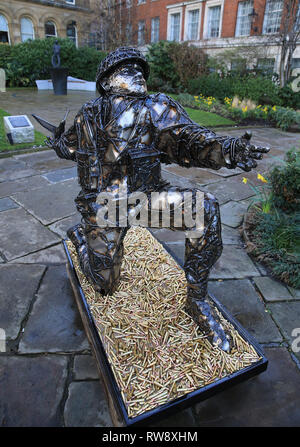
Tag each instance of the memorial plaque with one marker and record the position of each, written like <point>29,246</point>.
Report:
<point>18,121</point>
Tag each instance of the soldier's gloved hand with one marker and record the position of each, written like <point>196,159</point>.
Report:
<point>246,153</point>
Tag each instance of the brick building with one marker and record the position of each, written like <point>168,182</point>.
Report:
<point>216,26</point>
<point>31,19</point>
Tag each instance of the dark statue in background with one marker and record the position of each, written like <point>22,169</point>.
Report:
<point>119,141</point>
<point>56,55</point>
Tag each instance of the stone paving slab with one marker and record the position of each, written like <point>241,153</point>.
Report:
<point>50,204</point>
<point>61,175</point>
<point>44,161</point>
<point>271,399</point>
<point>287,316</point>
<point>7,204</point>
<point>272,290</point>
<point>11,169</point>
<point>31,389</point>
<point>18,284</point>
<point>229,189</point>
<point>25,184</point>
<point>21,234</point>
<point>232,213</point>
<point>84,367</point>
<point>244,304</point>
<point>294,292</point>
<point>54,324</point>
<point>233,263</point>
<point>86,405</point>
<point>197,175</point>
<point>51,255</point>
<point>230,236</point>
<point>61,226</point>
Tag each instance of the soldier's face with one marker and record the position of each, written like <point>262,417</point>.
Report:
<point>128,78</point>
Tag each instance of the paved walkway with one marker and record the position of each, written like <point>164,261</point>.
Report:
<point>47,373</point>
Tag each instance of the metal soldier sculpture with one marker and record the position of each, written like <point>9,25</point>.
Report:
<point>119,141</point>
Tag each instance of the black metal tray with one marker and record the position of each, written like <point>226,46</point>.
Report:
<point>116,405</point>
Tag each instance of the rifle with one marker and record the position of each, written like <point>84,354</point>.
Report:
<point>55,130</point>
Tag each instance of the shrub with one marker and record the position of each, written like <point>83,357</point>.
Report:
<point>163,75</point>
<point>286,117</point>
<point>5,54</point>
<point>212,85</point>
<point>33,57</point>
<point>260,89</point>
<point>187,100</point>
<point>189,61</point>
<point>289,98</point>
<point>285,182</point>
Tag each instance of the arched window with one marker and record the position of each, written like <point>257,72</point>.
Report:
<point>72,33</point>
<point>27,31</point>
<point>4,32</point>
<point>50,29</point>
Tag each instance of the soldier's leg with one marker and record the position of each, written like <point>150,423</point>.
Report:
<point>201,253</point>
<point>203,247</point>
<point>100,252</point>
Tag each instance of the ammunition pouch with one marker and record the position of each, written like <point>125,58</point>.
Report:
<point>144,169</point>
<point>89,170</point>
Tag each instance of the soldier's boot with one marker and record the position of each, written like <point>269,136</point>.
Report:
<point>201,308</point>
<point>77,237</point>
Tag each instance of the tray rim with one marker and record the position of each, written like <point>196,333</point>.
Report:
<point>181,402</point>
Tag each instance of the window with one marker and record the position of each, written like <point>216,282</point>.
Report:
<point>272,18</point>
<point>4,32</point>
<point>175,27</point>
<point>50,29</point>
<point>71,1</point>
<point>266,65</point>
<point>213,25</point>
<point>72,33</point>
<point>193,24</point>
<point>295,62</point>
<point>243,21</point>
<point>297,21</point>
<point>155,29</point>
<point>139,2</point>
<point>27,31</point>
<point>141,32</point>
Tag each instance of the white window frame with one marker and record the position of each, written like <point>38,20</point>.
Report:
<point>192,7</point>
<point>172,11</point>
<point>239,21</point>
<point>72,2</point>
<point>8,33</point>
<point>50,35</point>
<point>76,36</point>
<point>141,2</point>
<point>210,4</point>
<point>155,18</point>
<point>33,35</point>
<point>144,42</point>
<point>266,17</point>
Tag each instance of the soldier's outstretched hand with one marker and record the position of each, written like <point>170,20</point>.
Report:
<point>246,153</point>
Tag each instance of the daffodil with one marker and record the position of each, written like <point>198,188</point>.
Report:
<point>260,177</point>
<point>274,108</point>
<point>245,180</point>
<point>244,109</point>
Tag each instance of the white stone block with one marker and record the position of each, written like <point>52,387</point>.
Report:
<point>2,80</point>
<point>19,129</point>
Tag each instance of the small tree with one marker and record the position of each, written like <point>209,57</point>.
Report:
<point>288,36</point>
<point>111,26</point>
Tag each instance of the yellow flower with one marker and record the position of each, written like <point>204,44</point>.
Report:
<point>260,177</point>
<point>258,107</point>
<point>274,108</point>
<point>245,180</point>
<point>244,109</point>
<point>196,97</point>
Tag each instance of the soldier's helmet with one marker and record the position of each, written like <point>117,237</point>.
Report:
<point>118,57</point>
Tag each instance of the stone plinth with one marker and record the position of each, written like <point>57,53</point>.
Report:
<point>18,129</point>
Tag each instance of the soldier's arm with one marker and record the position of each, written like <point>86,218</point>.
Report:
<point>188,144</point>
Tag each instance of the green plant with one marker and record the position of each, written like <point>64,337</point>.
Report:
<point>289,98</point>
<point>187,100</point>
<point>286,117</point>
<point>285,183</point>
<point>31,60</point>
<point>163,75</point>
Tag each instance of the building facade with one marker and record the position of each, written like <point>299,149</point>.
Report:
<point>246,26</point>
<point>31,19</point>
